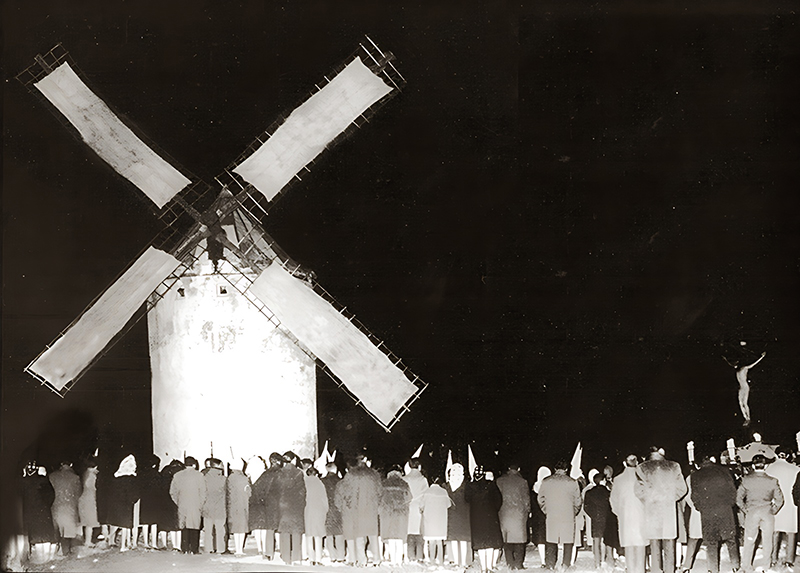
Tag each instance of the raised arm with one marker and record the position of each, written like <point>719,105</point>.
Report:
<point>763,354</point>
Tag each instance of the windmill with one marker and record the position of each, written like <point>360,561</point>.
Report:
<point>214,248</point>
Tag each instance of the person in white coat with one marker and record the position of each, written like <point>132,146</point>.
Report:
<point>418,485</point>
<point>786,519</point>
<point>629,510</point>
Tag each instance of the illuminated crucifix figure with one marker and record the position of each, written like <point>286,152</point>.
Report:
<point>744,387</point>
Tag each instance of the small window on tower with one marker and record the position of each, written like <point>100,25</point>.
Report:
<point>181,292</point>
<point>222,290</point>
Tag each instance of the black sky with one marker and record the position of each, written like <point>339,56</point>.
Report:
<point>562,223</point>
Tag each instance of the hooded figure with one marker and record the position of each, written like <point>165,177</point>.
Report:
<point>484,501</point>
<point>37,500</point>
<point>458,515</point>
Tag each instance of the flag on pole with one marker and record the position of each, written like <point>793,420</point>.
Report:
<point>471,461</point>
<point>575,465</point>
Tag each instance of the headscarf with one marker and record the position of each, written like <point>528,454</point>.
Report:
<point>127,467</point>
<point>455,477</point>
<point>544,472</point>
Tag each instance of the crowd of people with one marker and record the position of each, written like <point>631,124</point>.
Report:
<point>296,513</point>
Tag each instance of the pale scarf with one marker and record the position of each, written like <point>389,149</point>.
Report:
<point>127,467</point>
<point>544,472</point>
<point>455,477</point>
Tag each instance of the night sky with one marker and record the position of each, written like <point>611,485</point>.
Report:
<point>564,221</point>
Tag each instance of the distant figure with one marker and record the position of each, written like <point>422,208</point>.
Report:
<point>485,499</point>
<point>744,387</point>
<point>214,511</point>
<point>334,540</point>
<point>291,489</point>
<point>188,491</point>
<point>315,514</point>
<point>357,497</point>
<point>786,519</point>
<point>67,487</point>
<point>597,506</point>
<point>459,534</point>
<point>560,501</point>
<point>629,510</point>
<point>37,499</point>
<point>660,485</point>
<point>759,497</point>
<point>419,485</point>
<point>87,502</point>
<point>434,505</point>
<point>393,511</point>
<point>713,493</point>
<point>514,515</point>
<point>237,492</point>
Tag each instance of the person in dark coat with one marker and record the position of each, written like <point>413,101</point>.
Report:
<point>393,511</point>
<point>265,507</point>
<point>124,495</point>
<point>560,500</point>
<point>459,534</point>
<point>714,496</point>
<point>167,510</point>
<point>485,500</point>
<point>237,498</point>
<point>214,512</point>
<point>38,496</point>
<point>67,487</point>
<point>514,515</point>
<point>149,510</point>
<point>334,539</point>
<point>357,497</point>
<point>597,506</point>
<point>188,491</point>
<point>291,487</point>
<point>538,527</point>
<point>759,496</point>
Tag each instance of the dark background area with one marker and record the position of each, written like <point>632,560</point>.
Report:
<point>564,221</point>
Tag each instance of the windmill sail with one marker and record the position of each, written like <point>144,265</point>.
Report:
<point>379,385</point>
<point>311,127</point>
<point>111,139</point>
<point>82,342</point>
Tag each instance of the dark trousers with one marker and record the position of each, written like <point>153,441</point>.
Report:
<point>551,555</point>
<point>291,547</point>
<point>662,555</point>
<point>415,547</point>
<point>791,547</point>
<point>712,550</point>
<point>190,540</point>
<point>515,554</point>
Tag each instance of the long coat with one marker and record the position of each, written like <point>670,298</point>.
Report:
<point>714,496</point>
<point>291,485</point>
<point>214,505</point>
<point>333,521</point>
<point>124,495</point>
<point>458,528</point>
<point>237,501</point>
<point>151,496</point>
<point>316,507</point>
<point>37,500</point>
<point>660,485</point>
<point>393,507</point>
<point>434,505</point>
<point>484,501</point>
<point>786,474</point>
<point>695,529</point>
<point>265,501</point>
<point>629,509</point>
<point>597,506</point>
<point>560,500</point>
<point>419,485</point>
<point>188,491</point>
<point>516,507</point>
<point>167,509</point>
<point>357,497</point>
<point>87,502</point>
<point>67,487</point>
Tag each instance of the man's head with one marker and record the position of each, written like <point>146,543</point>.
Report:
<point>598,479</point>
<point>631,461</point>
<point>275,459</point>
<point>561,465</point>
<point>190,462</point>
<point>414,463</point>
<point>290,458</point>
<point>656,453</point>
<point>306,463</point>
<point>759,462</point>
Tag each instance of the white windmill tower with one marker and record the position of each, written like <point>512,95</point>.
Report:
<point>236,328</point>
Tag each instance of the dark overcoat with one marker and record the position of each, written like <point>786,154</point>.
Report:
<point>265,501</point>
<point>393,508</point>
<point>714,496</point>
<point>291,485</point>
<point>357,497</point>
<point>37,499</point>
<point>150,489</point>
<point>458,528</point>
<point>516,507</point>
<point>597,506</point>
<point>333,521</point>
<point>484,501</point>
<point>124,494</point>
<point>167,510</point>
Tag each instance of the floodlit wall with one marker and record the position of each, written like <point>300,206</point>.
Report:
<point>222,373</point>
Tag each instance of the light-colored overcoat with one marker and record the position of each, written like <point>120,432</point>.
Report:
<point>786,474</point>
<point>560,500</point>
<point>629,509</point>
<point>188,491</point>
<point>660,485</point>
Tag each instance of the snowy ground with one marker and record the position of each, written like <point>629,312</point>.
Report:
<point>139,560</point>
